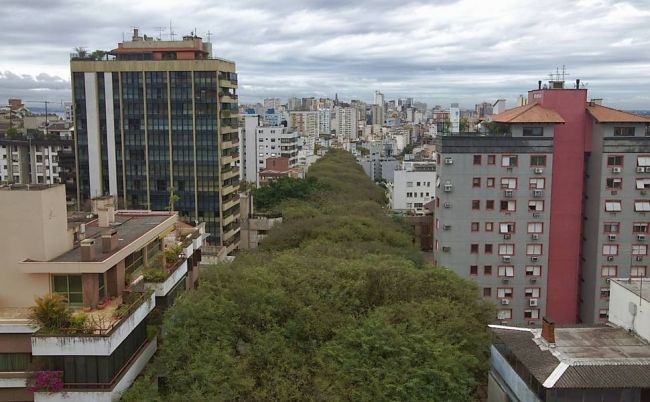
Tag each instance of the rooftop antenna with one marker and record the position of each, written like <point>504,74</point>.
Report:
<point>209,34</point>
<point>171,31</point>
<point>160,31</point>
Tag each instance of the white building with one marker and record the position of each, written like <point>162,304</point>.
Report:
<point>629,304</point>
<point>413,186</point>
<point>272,103</point>
<point>325,121</point>
<point>346,122</point>
<point>35,162</point>
<point>262,142</point>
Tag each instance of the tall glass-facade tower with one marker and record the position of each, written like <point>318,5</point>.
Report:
<point>156,118</point>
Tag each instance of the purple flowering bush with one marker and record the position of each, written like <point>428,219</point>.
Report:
<point>45,381</point>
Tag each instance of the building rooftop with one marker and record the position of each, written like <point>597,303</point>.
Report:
<point>27,187</point>
<point>531,113</point>
<point>638,286</point>
<point>129,226</point>
<point>604,114</point>
<point>582,357</point>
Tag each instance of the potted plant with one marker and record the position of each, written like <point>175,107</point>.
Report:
<point>103,303</point>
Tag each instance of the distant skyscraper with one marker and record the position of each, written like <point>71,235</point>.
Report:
<point>162,115</point>
<point>306,123</point>
<point>325,121</point>
<point>346,122</point>
<point>379,98</point>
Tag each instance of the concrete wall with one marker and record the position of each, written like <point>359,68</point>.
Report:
<point>622,312</point>
<point>34,225</point>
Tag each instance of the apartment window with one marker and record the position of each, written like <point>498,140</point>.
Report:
<point>642,206</point>
<point>508,206</point>
<point>535,205</point>
<point>604,292</point>
<point>638,271</point>
<point>623,131</point>
<point>133,261</point>
<point>490,182</point>
<point>613,206</point>
<point>509,160</point>
<point>473,248</point>
<point>475,226</point>
<point>533,249</point>
<point>506,249</point>
<point>487,249</point>
<point>476,182</point>
<point>507,227</point>
<point>608,271</point>
<point>614,183</point>
<point>533,131</point>
<point>642,184</point>
<point>504,314</point>
<point>476,204</point>
<point>535,227</point>
<point>473,270</point>
<point>487,292</point>
<point>603,314</point>
<point>506,270</point>
<point>615,160</point>
<point>409,184</point>
<point>639,249</point>
<point>489,226</point>
<point>509,183</point>
<point>536,183</point>
<point>643,161</point>
<point>487,270</point>
<point>504,293</point>
<point>538,160</point>
<point>533,270</point>
<point>491,159</point>
<point>68,286</point>
<point>640,228</point>
<point>610,249</point>
<point>611,227</point>
<point>477,159</point>
<point>531,313</point>
<point>489,205</point>
<point>531,292</point>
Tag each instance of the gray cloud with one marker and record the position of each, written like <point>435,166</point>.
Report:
<point>437,51</point>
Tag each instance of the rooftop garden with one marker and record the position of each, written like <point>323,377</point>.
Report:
<point>165,263</point>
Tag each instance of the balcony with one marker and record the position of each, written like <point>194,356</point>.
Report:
<point>227,98</point>
<point>13,379</point>
<point>175,275</point>
<point>229,188</point>
<point>227,204</point>
<point>226,83</point>
<point>110,327</point>
<point>229,173</point>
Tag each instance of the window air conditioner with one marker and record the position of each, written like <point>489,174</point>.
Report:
<point>639,258</point>
<point>446,227</point>
<point>616,169</point>
<point>535,236</point>
<point>449,161</point>
<point>640,169</point>
<point>610,258</point>
<point>506,236</point>
<point>538,193</point>
<point>506,258</point>
<point>538,170</point>
<point>507,193</point>
<point>532,302</point>
<point>447,205</point>
<point>647,170</point>
<point>640,237</point>
<point>611,237</point>
<point>505,302</point>
<point>534,258</point>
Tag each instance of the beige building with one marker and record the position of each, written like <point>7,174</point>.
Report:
<point>305,123</point>
<point>112,269</point>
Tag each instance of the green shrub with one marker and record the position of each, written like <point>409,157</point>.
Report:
<point>155,275</point>
<point>51,312</point>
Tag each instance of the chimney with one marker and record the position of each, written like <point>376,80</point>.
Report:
<point>539,84</point>
<point>109,241</point>
<point>88,250</point>
<point>548,330</point>
<point>103,217</point>
<point>135,34</point>
<point>596,101</point>
<point>578,83</point>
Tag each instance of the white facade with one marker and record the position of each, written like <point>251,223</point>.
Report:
<point>325,121</point>
<point>346,122</point>
<point>629,305</point>
<point>413,186</point>
<point>22,165</point>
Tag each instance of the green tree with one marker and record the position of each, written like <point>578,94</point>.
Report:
<point>12,132</point>
<point>464,124</point>
<point>336,305</point>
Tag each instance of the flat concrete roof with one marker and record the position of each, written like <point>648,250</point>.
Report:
<point>129,228</point>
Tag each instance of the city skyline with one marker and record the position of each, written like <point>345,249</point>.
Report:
<point>450,51</point>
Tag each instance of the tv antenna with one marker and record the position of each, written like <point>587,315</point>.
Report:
<point>160,31</point>
<point>171,31</point>
<point>209,35</point>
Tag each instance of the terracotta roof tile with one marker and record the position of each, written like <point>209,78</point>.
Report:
<point>604,114</point>
<point>531,113</point>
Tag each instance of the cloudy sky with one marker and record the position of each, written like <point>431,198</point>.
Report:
<point>437,51</point>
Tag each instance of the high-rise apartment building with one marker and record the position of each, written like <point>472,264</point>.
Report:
<point>305,123</point>
<point>325,121</point>
<point>543,212</point>
<point>160,117</point>
<point>346,123</point>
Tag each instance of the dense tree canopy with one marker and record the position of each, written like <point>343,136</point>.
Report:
<point>336,305</point>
